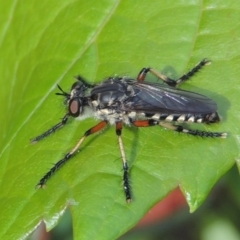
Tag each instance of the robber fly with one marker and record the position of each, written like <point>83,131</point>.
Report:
<point>136,102</point>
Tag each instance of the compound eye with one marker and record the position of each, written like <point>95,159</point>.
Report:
<point>75,107</point>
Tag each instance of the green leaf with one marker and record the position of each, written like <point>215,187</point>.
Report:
<point>44,43</point>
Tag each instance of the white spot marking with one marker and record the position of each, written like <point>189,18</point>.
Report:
<point>181,118</point>
<point>169,118</point>
<point>104,111</point>
<point>156,116</point>
<point>132,114</point>
<point>191,119</point>
<point>95,103</point>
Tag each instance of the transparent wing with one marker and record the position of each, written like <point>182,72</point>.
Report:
<point>158,98</point>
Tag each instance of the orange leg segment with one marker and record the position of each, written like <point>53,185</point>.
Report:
<point>145,123</point>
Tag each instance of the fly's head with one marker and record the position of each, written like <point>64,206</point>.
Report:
<point>76,99</point>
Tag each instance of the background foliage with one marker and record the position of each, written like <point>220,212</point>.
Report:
<point>43,43</point>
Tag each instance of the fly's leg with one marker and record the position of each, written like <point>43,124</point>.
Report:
<point>60,163</point>
<point>171,82</point>
<point>81,79</point>
<point>178,128</point>
<point>194,70</point>
<point>126,185</point>
<point>51,130</point>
